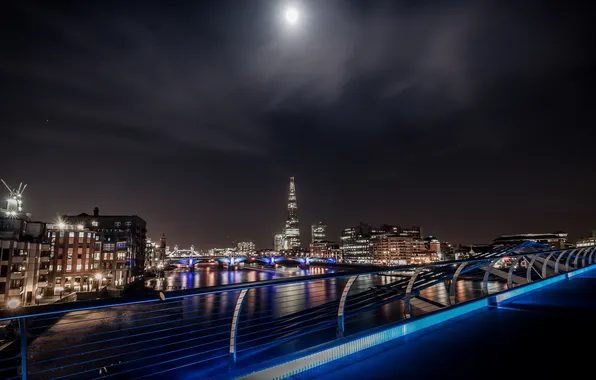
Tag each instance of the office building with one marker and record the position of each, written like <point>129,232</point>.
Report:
<point>279,242</point>
<point>355,244</point>
<point>318,232</point>
<point>325,249</point>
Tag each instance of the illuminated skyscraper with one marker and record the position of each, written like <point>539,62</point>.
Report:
<point>292,232</point>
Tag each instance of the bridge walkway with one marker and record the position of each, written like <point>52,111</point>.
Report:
<point>540,334</point>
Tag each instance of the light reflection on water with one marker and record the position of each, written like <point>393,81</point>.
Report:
<point>211,275</point>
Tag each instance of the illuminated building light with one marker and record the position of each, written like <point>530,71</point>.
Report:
<point>13,303</point>
<point>80,227</point>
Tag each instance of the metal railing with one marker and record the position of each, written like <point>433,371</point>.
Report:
<point>205,332</point>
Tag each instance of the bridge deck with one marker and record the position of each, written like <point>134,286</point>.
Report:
<point>536,335</point>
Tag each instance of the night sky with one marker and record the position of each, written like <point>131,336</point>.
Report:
<point>470,118</point>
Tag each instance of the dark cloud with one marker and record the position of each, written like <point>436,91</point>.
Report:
<point>457,115</point>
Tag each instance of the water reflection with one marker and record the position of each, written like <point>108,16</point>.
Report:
<point>212,275</point>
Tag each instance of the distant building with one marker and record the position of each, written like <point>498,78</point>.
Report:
<point>325,249</point>
<point>355,244</point>
<point>292,231</point>
<point>279,242</point>
<point>587,242</point>
<point>122,242</point>
<point>247,248</point>
<point>557,240</point>
<point>400,250</point>
<point>318,232</point>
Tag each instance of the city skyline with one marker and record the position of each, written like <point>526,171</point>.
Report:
<point>471,119</point>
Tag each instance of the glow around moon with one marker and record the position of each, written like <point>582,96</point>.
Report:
<point>291,15</point>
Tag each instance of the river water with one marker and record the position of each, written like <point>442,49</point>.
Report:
<point>193,333</point>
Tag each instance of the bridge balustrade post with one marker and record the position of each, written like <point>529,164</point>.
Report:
<point>342,305</point>
<point>510,272</point>
<point>579,253</point>
<point>234,329</point>
<point>530,267</point>
<point>558,260</point>
<point>408,313</point>
<point>590,258</point>
<point>23,333</point>
<point>584,257</point>
<point>486,274</point>
<point>568,261</point>
<point>454,282</point>
<point>545,266</point>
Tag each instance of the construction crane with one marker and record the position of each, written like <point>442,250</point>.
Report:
<point>14,203</point>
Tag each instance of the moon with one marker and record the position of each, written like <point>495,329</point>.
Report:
<point>292,15</point>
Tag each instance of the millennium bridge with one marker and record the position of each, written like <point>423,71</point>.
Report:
<point>517,310</point>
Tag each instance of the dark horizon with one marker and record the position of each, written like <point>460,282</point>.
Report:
<point>471,119</point>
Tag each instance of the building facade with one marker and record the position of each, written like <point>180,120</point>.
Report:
<point>24,256</point>
<point>318,232</point>
<point>247,248</point>
<point>325,249</point>
<point>120,240</point>
<point>355,245</point>
<point>279,242</point>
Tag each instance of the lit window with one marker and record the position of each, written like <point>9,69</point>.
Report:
<point>89,235</point>
<point>68,268</point>
<point>117,224</point>
<point>127,224</point>
<point>71,234</point>
<point>94,223</point>
<point>81,235</point>
<point>79,267</point>
<point>61,234</point>
<point>59,267</point>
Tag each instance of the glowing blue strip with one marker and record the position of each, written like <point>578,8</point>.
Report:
<point>528,288</point>
<point>293,366</point>
<point>580,271</point>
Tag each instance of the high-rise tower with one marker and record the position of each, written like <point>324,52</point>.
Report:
<point>291,231</point>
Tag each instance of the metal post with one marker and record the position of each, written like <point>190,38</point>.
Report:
<point>557,262</point>
<point>342,305</point>
<point>529,271</point>
<point>234,329</point>
<point>585,256</point>
<point>545,266</point>
<point>23,333</point>
<point>510,272</point>
<point>569,258</point>
<point>486,274</point>
<point>453,283</point>
<point>409,293</point>
<point>590,258</point>
<point>575,262</point>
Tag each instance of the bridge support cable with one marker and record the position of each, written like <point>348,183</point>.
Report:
<point>234,329</point>
<point>487,272</point>
<point>342,305</point>
<point>408,313</point>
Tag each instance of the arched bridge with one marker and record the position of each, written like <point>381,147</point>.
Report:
<point>235,260</point>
